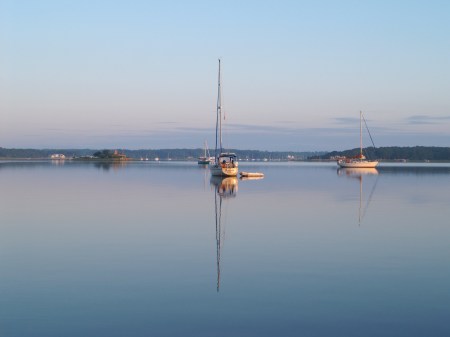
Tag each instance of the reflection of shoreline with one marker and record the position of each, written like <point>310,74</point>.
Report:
<point>106,166</point>
<point>414,170</point>
<point>58,162</point>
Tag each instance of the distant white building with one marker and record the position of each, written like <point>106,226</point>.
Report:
<point>57,156</point>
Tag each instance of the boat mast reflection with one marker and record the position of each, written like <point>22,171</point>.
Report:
<point>358,173</point>
<point>224,188</point>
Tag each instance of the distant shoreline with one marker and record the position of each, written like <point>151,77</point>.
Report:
<point>391,154</point>
<point>259,161</point>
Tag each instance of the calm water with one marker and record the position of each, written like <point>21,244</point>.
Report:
<point>153,249</point>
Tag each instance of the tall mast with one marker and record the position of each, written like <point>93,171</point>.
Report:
<point>219,109</point>
<point>217,121</point>
<point>360,134</point>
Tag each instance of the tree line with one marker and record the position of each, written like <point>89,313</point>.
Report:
<point>161,154</point>
<point>414,153</point>
<point>419,153</point>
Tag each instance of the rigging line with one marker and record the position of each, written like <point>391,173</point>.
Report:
<point>365,123</point>
<point>367,153</point>
<point>370,197</point>
<point>218,118</point>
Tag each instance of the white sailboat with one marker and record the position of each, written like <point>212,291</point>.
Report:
<point>206,159</point>
<point>359,161</point>
<point>225,163</point>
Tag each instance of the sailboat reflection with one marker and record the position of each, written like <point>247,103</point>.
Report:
<point>224,188</point>
<point>358,174</point>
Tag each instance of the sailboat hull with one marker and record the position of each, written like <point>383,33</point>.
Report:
<point>358,164</point>
<point>218,170</point>
<point>204,161</point>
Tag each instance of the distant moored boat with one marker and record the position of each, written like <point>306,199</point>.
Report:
<point>358,161</point>
<point>206,159</point>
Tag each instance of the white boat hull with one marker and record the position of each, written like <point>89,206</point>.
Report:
<point>218,170</point>
<point>358,164</point>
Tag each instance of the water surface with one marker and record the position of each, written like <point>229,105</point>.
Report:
<point>148,249</point>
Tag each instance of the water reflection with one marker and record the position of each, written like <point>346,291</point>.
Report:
<point>415,169</point>
<point>58,162</point>
<point>251,178</point>
<point>224,188</point>
<point>293,269</point>
<point>358,173</point>
<point>106,166</point>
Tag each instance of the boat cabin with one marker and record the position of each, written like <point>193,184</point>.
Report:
<point>227,159</point>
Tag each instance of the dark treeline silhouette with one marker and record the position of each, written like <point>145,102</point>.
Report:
<point>432,153</point>
<point>42,153</point>
<point>395,153</point>
<point>162,154</point>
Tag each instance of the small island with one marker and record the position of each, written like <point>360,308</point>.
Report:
<point>105,155</point>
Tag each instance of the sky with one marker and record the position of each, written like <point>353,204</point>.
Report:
<point>143,74</point>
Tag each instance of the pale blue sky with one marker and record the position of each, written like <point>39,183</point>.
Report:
<point>142,74</point>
